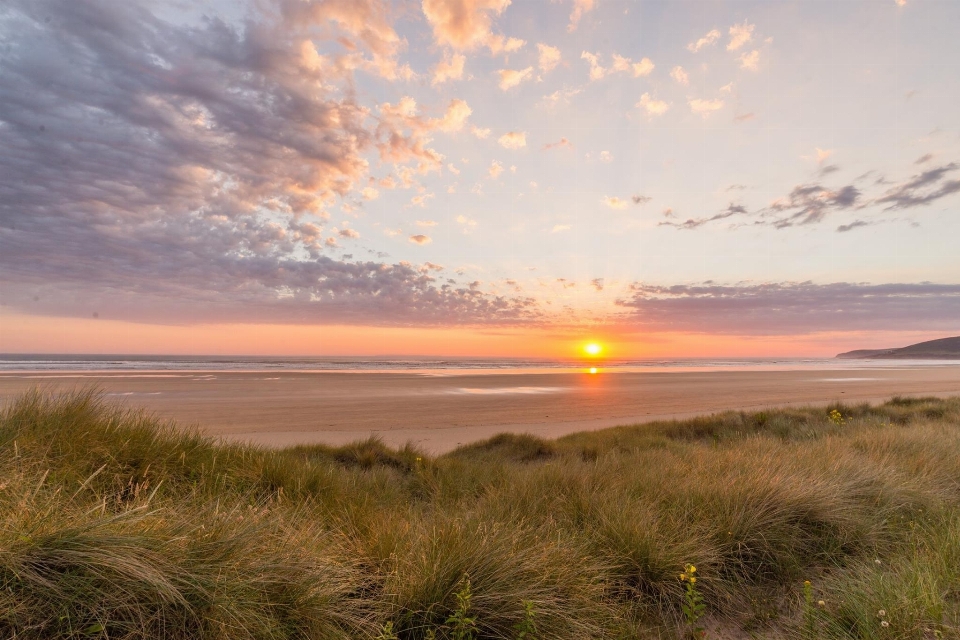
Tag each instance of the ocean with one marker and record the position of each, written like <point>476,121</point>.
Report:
<point>52,363</point>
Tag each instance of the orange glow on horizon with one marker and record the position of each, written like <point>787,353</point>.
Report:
<point>22,333</point>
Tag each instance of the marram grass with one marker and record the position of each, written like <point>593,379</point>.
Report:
<point>837,522</point>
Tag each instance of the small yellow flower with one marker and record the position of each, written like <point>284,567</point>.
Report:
<point>683,576</point>
<point>806,583</point>
<point>692,579</point>
<point>821,603</point>
<point>693,569</point>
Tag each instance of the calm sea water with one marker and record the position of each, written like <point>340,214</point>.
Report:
<point>427,365</point>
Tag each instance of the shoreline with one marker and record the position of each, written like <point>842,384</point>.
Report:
<point>439,413</point>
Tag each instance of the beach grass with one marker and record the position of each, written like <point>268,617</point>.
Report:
<point>837,522</point>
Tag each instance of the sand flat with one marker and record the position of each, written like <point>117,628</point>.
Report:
<point>440,412</point>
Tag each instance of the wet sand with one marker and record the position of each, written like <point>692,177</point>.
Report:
<point>440,412</point>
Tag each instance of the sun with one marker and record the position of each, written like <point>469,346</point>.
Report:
<point>593,348</point>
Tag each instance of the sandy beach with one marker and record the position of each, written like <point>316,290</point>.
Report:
<point>439,412</point>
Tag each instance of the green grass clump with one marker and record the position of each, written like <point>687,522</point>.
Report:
<point>836,522</point>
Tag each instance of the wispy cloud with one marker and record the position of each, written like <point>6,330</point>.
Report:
<point>922,189</point>
<point>513,140</point>
<point>614,203</point>
<point>580,7</point>
<point>450,68</point>
<point>680,75</point>
<point>562,143</point>
<point>712,36</point>
<point>740,34</point>
<point>652,106</point>
<point>510,78</point>
<point>705,107</point>
<point>750,60</point>
<point>549,57</point>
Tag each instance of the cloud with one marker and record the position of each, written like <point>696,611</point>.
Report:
<point>562,143</point>
<point>420,239</point>
<point>403,133</point>
<point>620,65</point>
<point>922,189</point>
<point>560,95</point>
<point>513,140</point>
<point>638,69</point>
<point>421,200</point>
<point>597,72</point>
<point>499,44</point>
<point>606,156</point>
<point>426,223</point>
<point>597,283</point>
<point>495,169</point>
<point>711,37</point>
<point>510,78</point>
<point>348,233</point>
<point>853,225</point>
<point>580,7</point>
<point>705,107</point>
<point>364,24</point>
<point>927,157</point>
<point>743,117</point>
<point>695,223</point>
<point>640,199</point>
<point>187,169</point>
<point>454,118</point>
<point>823,154</point>
<point>678,74</point>
<point>549,57</point>
<point>727,88</point>
<point>614,202</point>
<point>809,203</point>
<point>557,228</point>
<point>740,34</point>
<point>370,193</point>
<point>750,60</point>
<point>479,132</point>
<point>901,3</point>
<point>450,68</point>
<point>464,24</point>
<point>468,224</point>
<point>784,308</point>
<point>651,106</point>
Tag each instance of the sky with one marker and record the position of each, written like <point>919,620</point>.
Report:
<point>478,177</point>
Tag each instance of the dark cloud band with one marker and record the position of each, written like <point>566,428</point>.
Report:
<point>794,307</point>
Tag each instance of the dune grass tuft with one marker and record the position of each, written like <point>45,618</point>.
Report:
<point>836,522</point>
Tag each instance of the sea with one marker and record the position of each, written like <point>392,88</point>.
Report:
<point>131,364</point>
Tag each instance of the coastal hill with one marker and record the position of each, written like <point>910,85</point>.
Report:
<point>942,349</point>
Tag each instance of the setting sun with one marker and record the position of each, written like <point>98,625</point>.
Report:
<point>593,348</point>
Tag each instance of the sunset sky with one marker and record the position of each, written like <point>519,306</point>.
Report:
<point>478,177</point>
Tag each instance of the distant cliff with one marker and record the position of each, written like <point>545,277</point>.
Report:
<point>942,349</point>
